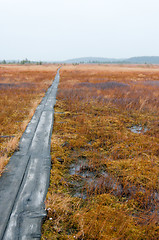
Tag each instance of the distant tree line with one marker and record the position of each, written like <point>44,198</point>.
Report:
<point>22,62</point>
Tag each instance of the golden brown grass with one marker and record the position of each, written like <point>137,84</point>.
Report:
<point>113,194</point>
<point>21,90</point>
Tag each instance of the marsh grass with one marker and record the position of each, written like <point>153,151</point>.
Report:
<point>104,177</point>
<point>21,90</point>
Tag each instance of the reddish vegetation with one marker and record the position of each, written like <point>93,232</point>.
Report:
<point>21,90</point>
<point>104,179</point>
<point>105,146</point>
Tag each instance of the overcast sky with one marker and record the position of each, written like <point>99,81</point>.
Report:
<point>65,29</point>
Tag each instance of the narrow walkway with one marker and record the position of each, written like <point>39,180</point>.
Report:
<point>24,184</point>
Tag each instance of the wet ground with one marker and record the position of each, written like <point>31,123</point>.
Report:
<point>138,129</point>
<point>85,181</point>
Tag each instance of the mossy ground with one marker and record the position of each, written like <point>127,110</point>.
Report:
<point>114,192</point>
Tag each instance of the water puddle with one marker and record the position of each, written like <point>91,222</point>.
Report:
<point>138,129</point>
<point>86,181</point>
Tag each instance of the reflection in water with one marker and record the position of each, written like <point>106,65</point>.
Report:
<point>138,129</point>
<point>87,181</point>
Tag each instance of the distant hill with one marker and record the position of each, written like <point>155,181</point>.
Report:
<point>133,60</point>
<point>142,60</point>
<point>90,60</point>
